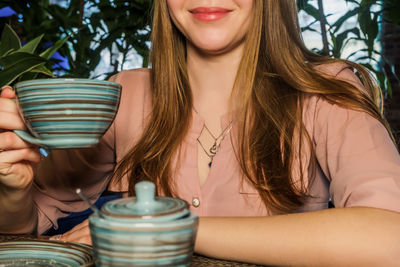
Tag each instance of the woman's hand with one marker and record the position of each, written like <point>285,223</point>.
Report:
<point>79,233</point>
<point>17,159</point>
<point>16,156</point>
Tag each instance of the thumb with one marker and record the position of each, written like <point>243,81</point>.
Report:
<point>7,92</point>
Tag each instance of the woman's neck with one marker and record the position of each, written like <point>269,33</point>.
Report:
<point>211,79</point>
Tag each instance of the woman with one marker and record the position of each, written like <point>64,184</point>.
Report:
<point>239,119</point>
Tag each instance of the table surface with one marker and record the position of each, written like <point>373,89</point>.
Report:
<point>197,260</point>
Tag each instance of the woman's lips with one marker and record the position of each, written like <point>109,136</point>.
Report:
<point>209,13</point>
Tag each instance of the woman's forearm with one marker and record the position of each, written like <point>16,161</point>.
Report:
<point>334,237</point>
<point>18,213</point>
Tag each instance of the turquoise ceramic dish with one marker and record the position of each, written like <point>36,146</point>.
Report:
<point>66,113</point>
<point>144,231</point>
<point>44,253</point>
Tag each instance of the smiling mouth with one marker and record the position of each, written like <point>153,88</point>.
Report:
<point>209,13</point>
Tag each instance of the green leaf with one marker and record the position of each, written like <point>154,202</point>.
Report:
<point>312,11</point>
<point>364,19</point>
<point>342,37</point>
<point>15,57</point>
<point>10,74</point>
<point>32,74</point>
<point>31,46</point>
<point>338,23</point>
<point>380,77</point>
<point>353,1</point>
<point>51,50</point>
<point>9,40</point>
<point>301,4</point>
<point>372,33</point>
<point>43,70</point>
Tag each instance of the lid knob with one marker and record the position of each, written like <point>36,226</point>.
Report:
<point>145,201</point>
<point>145,192</point>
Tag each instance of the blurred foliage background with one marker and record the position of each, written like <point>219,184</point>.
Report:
<point>364,35</point>
<point>109,30</point>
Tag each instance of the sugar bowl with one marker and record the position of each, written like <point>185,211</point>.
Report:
<point>144,230</point>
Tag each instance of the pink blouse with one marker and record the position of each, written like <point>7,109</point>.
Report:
<point>358,165</point>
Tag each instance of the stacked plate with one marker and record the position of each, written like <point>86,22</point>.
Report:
<point>44,253</point>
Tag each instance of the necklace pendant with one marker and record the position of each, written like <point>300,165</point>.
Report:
<point>211,160</point>
<point>214,149</point>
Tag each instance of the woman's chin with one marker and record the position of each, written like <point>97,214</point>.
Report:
<point>213,49</point>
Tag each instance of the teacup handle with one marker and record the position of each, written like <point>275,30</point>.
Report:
<point>31,139</point>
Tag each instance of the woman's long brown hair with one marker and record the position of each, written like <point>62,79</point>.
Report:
<point>273,79</point>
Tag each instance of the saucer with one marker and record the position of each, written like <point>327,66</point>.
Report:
<point>44,253</point>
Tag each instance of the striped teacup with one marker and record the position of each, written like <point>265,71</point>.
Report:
<point>66,113</point>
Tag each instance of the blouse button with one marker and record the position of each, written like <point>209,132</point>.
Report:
<point>196,202</point>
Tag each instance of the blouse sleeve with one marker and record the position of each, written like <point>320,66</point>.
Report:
<point>358,157</point>
<point>58,176</point>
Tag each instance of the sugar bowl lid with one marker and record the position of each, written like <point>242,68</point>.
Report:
<point>145,206</point>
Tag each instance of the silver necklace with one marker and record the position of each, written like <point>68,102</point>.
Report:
<point>212,151</point>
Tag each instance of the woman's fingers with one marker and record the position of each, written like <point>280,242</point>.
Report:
<point>7,92</point>
<point>16,167</point>
<point>11,121</point>
<point>79,233</point>
<point>11,141</point>
<point>15,156</point>
<point>10,118</point>
<point>8,105</point>
<point>16,176</point>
